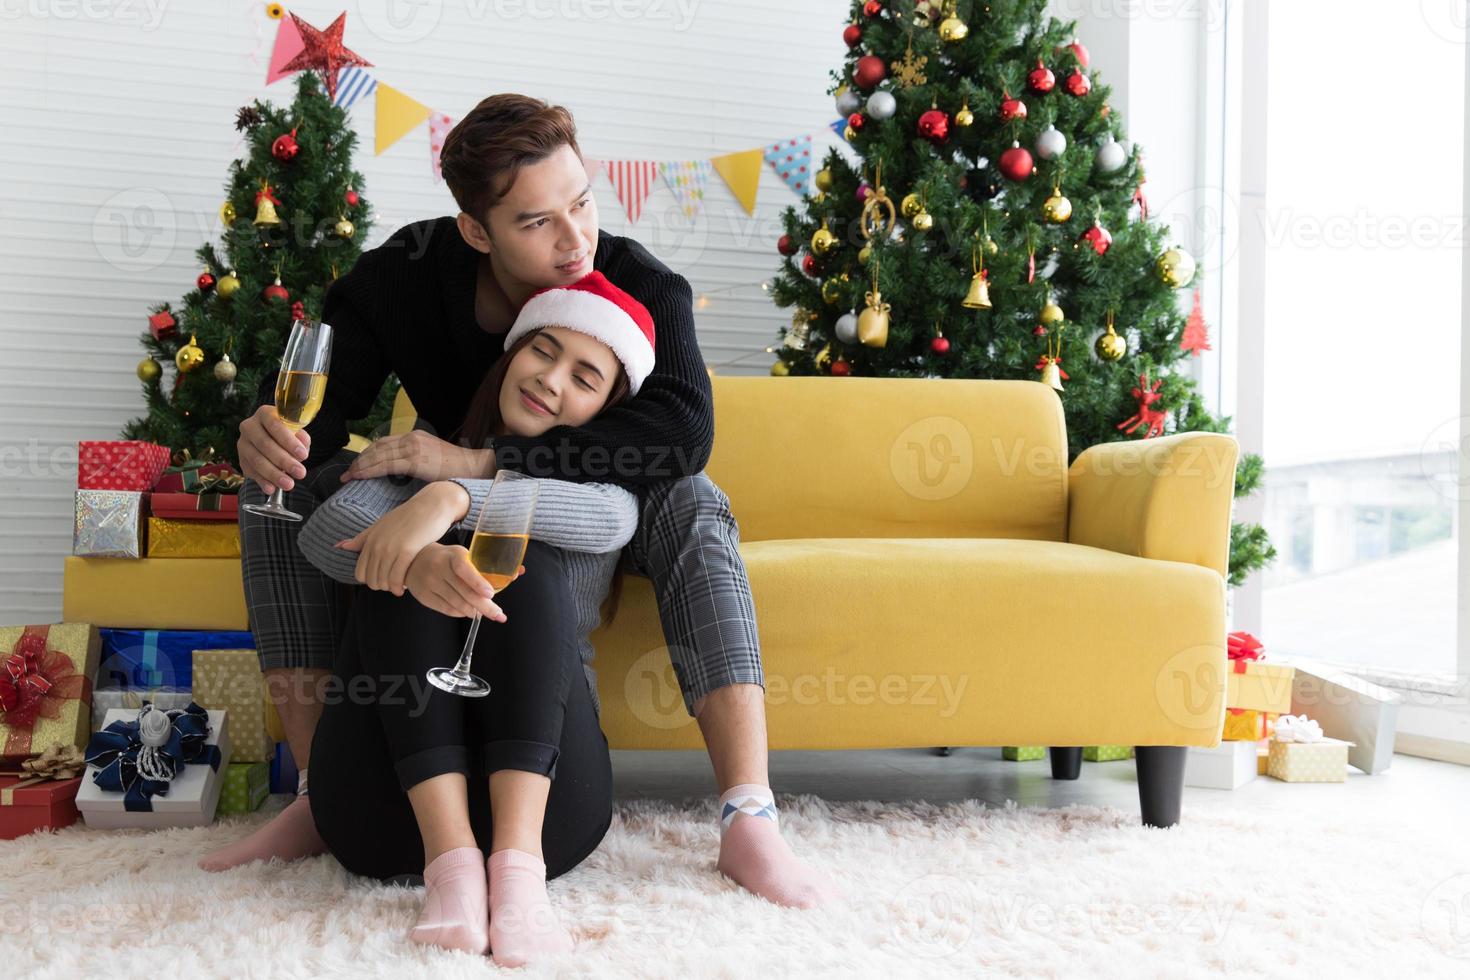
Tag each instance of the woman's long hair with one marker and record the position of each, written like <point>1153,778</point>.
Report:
<point>483,418</point>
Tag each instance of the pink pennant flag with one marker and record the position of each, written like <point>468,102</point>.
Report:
<point>593,165</point>
<point>439,127</point>
<point>288,46</point>
<point>633,180</point>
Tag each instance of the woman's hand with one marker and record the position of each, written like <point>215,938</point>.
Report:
<point>386,549</point>
<point>420,455</point>
<point>441,578</point>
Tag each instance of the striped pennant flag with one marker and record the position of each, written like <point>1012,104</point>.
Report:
<point>352,84</point>
<point>633,180</point>
<point>687,179</point>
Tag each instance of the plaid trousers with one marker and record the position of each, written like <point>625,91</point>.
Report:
<point>686,544</point>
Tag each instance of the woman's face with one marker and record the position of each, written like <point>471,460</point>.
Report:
<point>569,372</point>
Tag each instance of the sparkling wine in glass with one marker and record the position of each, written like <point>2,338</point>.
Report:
<point>300,387</point>
<point>496,551</point>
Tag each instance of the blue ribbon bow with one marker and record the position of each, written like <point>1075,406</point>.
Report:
<point>126,765</point>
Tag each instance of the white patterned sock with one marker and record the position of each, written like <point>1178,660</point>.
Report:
<point>751,799</point>
<point>301,782</point>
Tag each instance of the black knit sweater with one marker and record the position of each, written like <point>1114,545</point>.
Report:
<point>408,307</point>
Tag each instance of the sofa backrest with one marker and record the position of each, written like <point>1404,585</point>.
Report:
<point>814,457</point>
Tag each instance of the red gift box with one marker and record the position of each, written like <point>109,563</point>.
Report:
<point>31,803</point>
<point>119,465</point>
<point>180,479</point>
<point>196,506</point>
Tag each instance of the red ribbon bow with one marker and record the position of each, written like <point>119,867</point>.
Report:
<point>35,683</point>
<point>1240,646</point>
<point>1041,363</point>
<point>265,193</point>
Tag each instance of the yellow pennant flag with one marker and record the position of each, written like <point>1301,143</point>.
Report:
<point>397,114</point>
<point>742,172</point>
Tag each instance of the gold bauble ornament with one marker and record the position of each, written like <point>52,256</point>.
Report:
<point>224,371</point>
<point>227,285</point>
<point>923,221</point>
<point>849,134</point>
<point>1057,208</point>
<point>873,320</point>
<point>1110,346</point>
<point>824,179</point>
<point>1175,267</point>
<point>227,213</point>
<point>1051,313</point>
<point>823,241</point>
<point>989,245</point>
<point>189,357</point>
<point>865,254</point>
<point>835,288</point>
<point>343,228</point>
<point>964,117</point>
<point>149,370</point>
<point>780,369</point>
<point>910,205</point>
<point>823,358</point>
<point>952,29</point>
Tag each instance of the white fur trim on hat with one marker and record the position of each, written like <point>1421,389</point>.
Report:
<point>592,311</point>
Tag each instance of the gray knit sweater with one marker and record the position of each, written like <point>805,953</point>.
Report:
<point>589,522</point>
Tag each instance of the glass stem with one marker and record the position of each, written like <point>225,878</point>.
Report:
<point>462,669</point>
<point>278,499</point>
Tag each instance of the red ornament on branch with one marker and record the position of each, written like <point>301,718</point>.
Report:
<point>205,282</point>
<point>868,71</point>
<point>1146,396</point>
<point>285,147</point>
<point>853,35</point>
<point>1077,83</point>
<point>350,197</point>
<point>1041,78</point>
<point>1196,332</point>
<point>1016,163</point>
<point>786,246</point>
<point>873,8</point>
<point>934,125</point>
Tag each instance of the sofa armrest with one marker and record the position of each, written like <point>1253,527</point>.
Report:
<point>1168,497</point>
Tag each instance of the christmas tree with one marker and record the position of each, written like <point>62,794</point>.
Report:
<point>995,227</point>
<point>293,219</point>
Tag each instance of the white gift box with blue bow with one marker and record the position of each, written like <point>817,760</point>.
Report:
<point>155,767</point>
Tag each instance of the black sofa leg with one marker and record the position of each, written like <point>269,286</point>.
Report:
<point>1066,762</point>
<point>942,750</point>
<point>1160,782</point>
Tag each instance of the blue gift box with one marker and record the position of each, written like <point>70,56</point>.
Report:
<point>160,658</point>
<point>283,770</point>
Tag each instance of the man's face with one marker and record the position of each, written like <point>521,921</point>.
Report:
<point>544,231</point>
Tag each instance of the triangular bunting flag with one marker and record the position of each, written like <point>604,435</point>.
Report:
<point>687,179</point>
<point>439,127</point>
<point>288,46</point>
<point>397,114</point>
<point>352,84</point>
<point>742,172</point>
<point>594,167</point>
<point>633,180</point>
<point>792,159</point>
<point>840,128</point>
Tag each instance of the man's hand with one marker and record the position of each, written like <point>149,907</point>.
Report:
<point>441,578</point>
<point>389,546</point>
<point>420,455</point>
<point>271,451</point>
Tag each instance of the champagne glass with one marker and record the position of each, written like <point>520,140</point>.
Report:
<point>300,387</point>
<point>496,551</point>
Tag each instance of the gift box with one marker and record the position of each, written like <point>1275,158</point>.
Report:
<point>246,786</point>
<point>41,794</point>
<point>159,658</point>
<point>195,474</point>
<point>1348,708</point>
<point>285,777</point>
<point>1252,683</point>
<point>1247,725</point>
<point>1106,753</point>
<point>231,680</point>
<point>195,506</point>
<point>1023,753</point>
<point>46,687</point>
<point>188,748</point>
<point>1263,755</point>
<point>169,538</point>
<point>119,465</point>
<point>155,593</point>
<point>108,524</point>
<point>1300,753</point>
<point>105,699</point>
<point>1228,765</point>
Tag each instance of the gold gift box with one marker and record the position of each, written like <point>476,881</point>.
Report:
<point>1260,686</point>
<point>231,680</point>
<point>155,593</point>
<point>169,538</point>
<point>1247,725</point>
<point>81,645</point>
<point>1308,762</point>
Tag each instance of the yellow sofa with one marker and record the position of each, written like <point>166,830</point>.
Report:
<point>927,570</point>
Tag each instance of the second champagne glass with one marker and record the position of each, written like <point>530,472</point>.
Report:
<point>501,533</point>
<point>300,387</point>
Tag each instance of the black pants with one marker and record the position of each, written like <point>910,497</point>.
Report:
<point>384,728</point>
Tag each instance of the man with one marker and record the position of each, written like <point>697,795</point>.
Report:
<point>432,304</point>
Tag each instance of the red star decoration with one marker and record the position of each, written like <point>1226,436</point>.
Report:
<point>323,51</point>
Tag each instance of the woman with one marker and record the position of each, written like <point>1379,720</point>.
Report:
<point>408,777</point>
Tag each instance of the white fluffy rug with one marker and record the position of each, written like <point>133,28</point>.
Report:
<point>938,889</point>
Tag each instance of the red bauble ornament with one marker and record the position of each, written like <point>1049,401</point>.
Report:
<point>350,197</point>
<point>1081,53</point>
<point>841,369</point>
<point>1041,78</point>
<point>873,8</point>
<point>1016,163</point>
<point>1098,237</point>
<point>785,245</point>
<point>809,265</point>
<point>857,122</point>
<point>934,125</point>
<point>298,310</point>
<point>939,345</point>
<point>1077,83</point>
<point>868,71</point>
<point>285,147</point>
<point>853,35</point>
<point>205,282</point>
<point>275,291</point>
<point>1039,330</point>
<point>1012,109</point>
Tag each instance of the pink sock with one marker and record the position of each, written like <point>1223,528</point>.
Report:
<point>290,836</point>
<point>456,910</point>
<point>753,853</point>
<point>523,925</point>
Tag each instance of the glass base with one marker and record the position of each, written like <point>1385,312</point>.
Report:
<point>269,509</point>
<point>465,685</point>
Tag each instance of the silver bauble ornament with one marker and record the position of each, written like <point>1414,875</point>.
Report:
<point>1111,156</point>
<point>882,105</point>
<point>1051,143</point>
<point>846,328</point>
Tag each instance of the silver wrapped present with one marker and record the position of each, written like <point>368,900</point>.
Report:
<point>131,698</point>
<point>109,524</point>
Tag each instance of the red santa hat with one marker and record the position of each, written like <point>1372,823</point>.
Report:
<point>594,306</point>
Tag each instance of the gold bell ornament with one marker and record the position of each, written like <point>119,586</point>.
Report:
<point>265,207</point>
<point>1051,374</point>
<point>873,320</point>
<point>796,337</point>
<point>978,298</point>
<point>1110,346</point>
